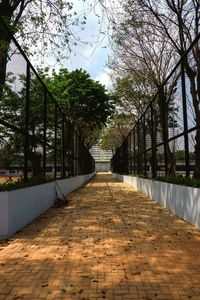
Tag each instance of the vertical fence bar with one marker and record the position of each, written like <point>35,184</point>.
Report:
<point>63,147</point>
<point>134,156</point>
<point>144,146</point>
<point>77,154</point>
<point>82,159</point>
<point>45,132</point>
<point>77,158</point>
<point>129,153</point>
<point>153,145</point>
<point>138,154</point>
<point>163,124</point>
<point>69,151</point>
<point>185,121</point>
<point>55,141</point>
<point>124,157</point>
<point>69,147</point>
<point>72,153</point>
<point>27,116</point>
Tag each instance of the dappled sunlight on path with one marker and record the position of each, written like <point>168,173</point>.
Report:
<point>111,242</point>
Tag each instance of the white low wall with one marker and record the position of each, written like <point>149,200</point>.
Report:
<point>70,184</point>
<point>19,207</point>
<point>181,200</point>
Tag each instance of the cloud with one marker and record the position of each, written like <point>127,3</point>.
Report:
<point>91,53</point>
<point>105,78</point>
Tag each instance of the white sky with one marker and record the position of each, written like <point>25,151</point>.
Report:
<point>90,58</point>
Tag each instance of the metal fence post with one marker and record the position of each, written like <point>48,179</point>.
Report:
<point>134,156</point>
<point>138,154</point>
<point>124,157</point>
<point>130,153</point>
<point>144,146</point>
<point>185,121</point>
<point>72,153</point>
<point>153,145</point>
<point>163,124</point>
<point>55,141</point>
<point>63,148</point>
<point>27,117</point>
<point>77,155</point>
<point>45,132</point>
<point>69,151</point>
<point>127,154</point>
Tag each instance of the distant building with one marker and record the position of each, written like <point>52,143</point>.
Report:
<point>174,145</point>
<point>102,158</point>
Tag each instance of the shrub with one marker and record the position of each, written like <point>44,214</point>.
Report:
<point>10,185</point>
<point>138,175</point>
<point>180,180</point>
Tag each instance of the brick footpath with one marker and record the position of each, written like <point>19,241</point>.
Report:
<point>111,242</point>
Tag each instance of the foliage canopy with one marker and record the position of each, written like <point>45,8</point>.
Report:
<point>85,102</point>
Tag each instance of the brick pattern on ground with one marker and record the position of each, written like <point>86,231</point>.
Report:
<point>111,242</point>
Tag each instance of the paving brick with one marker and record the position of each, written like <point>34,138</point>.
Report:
<point>111,242</point>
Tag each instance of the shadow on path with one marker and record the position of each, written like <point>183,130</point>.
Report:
<point>111,242</point>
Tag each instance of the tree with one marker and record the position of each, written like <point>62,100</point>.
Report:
<point>132,94</point>
<point>143,53</point>
<point>13,111</point>
<point>115,131</point>
<point>184,18</point>
<point>85,102</point>
<point>45,25</point>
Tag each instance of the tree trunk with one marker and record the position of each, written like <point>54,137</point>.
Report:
<point>197,137</point>
<point>35,159</point>
<point>153,126</point>
<point>195,91</point>
<point>164,121</point>
<point>171,162</point>
<point>197,155</point>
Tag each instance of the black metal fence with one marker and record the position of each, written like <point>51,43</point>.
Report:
<point>166,137</point>
<point>36,137</point>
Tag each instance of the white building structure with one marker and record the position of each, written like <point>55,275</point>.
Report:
<point>102,158</point>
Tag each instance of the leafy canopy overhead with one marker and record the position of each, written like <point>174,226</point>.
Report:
<point>45,24</point>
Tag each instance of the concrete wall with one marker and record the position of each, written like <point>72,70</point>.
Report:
<point>18,208</point>
<point>181,200</point>
<point>70,184</point>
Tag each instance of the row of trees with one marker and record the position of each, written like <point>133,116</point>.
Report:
<point>149,38</point>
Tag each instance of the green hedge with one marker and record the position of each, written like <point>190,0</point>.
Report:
<point>180,180</point>
<point>11,185</point>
